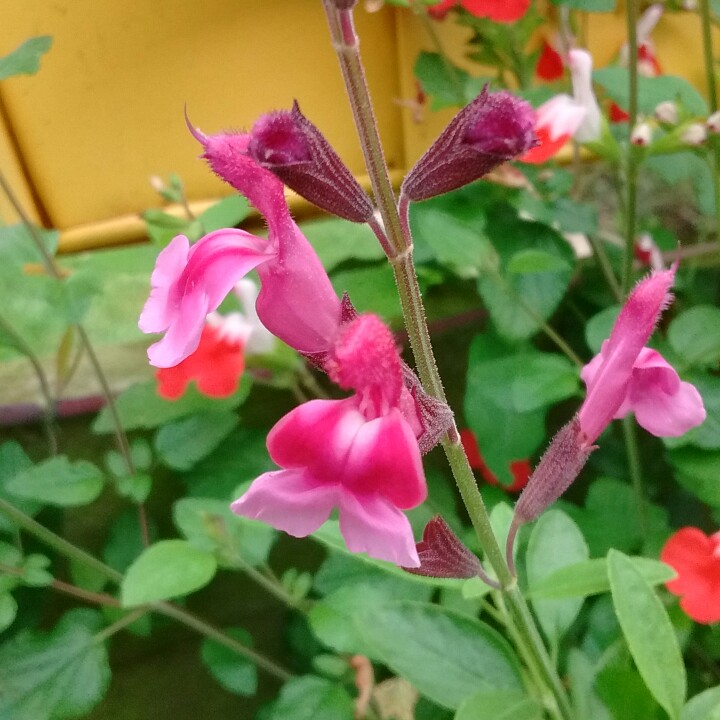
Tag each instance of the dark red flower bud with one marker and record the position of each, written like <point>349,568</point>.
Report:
<point>492,129</point>
<point>443,555</point>
<point>291,147</point>
<point>559,466</point>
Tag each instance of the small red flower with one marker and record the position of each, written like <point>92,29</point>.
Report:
<point>696,559</point>
<point>617,114</point>
<point>216,367</point>
<point>519,469</point>
<point>502,11</point>
<point>550,63</point>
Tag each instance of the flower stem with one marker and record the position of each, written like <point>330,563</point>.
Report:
<point>53,271</point>
<point>631,157</point>
<point>47,394</point>
<point>713,101</point>
<point>633,456</point>
<point>192,621</point>
<point>345,43</point>
<point>118,625</point>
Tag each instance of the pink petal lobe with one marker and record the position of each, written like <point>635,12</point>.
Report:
<point>288,500</point>
<point>316,435</point>
<point>385,459</point>
<point>372,525</point>
<point>187,285</point>
<point>156,316</point>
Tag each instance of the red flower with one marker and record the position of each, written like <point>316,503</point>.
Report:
<point>216,367</point>
<point>502,11</point>
<point>696,559</point>
<point>550,63</point>
<point>617,114</point>
<point>519,469</point>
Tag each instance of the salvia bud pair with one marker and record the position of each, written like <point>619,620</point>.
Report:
<point>492,129</point>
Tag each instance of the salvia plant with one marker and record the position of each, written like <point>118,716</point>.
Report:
<point>489,544</point>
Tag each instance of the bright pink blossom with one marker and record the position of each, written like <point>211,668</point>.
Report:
<point>359,454</point>
<point>502,11</point>
<point>297,302</point>
<point>628,377</point>
<point>695,557</point>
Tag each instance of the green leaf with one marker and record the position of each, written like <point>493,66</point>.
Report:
<point>336,241</point>
<point>447,84</point>
<point>698,471</point>
<point>125,542</point>
<point>134,487</point>
<point>499,705</point>
<point>25,59</point>
<point>447,656</point>
<point>8,610</point>
<point>350,587</point>
<point>13,461</point>
<point>61,674</point>
<point>555,543</point>
<point>140,407</point>
<point>456,241</point>
<point>35,573</point>
<point>535,261</point>
<point>590,577</point>
<point>226,213</point>
<point>182,443</point>
<point>651,90</point>
<point>167,569</point>
<point>77,293</point>
<point>687,167</point>
<point>649,633</point>
<point>704,706</point>
<point>210,525</point>
<point>233,671</point>
<point>58,482</point>
<point>507,392</point>
<point>695,335</point>
<point>312,698</point>
<point>581,672</point>
<point>519,303</point>
<point>588,5</point>
<point>371,289</point>
<point>598,327</point>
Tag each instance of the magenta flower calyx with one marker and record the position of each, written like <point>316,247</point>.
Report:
<point>492,129</point>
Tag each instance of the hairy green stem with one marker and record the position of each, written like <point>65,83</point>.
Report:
<point>631,160</point>
<point>43,381</point>
<point>709,62</point>
<point>396,228</point>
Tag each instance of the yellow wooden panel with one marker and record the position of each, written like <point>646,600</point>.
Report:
<point>106,110</point>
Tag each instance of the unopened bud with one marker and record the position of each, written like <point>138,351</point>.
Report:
<point>641,135</point>
<point>694,134</point>
<point>559,466</point>
<point>713,123</point>
<point>492,129</point>
<point>442,554</point>
<point>293,149</point>
<point>667,112</point>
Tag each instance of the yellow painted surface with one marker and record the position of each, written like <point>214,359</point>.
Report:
<point>106,110</point>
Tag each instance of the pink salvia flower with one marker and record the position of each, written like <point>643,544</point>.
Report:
<point>624,377</point>
<point>297,302</point>
<point>628,377</point>
<point>359,454</point>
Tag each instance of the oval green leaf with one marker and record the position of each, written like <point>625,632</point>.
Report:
<point>167,569</point>
<point>233,671</point>
<point>648,632</point>
<point>447,656</point>
<point>500,705</point>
